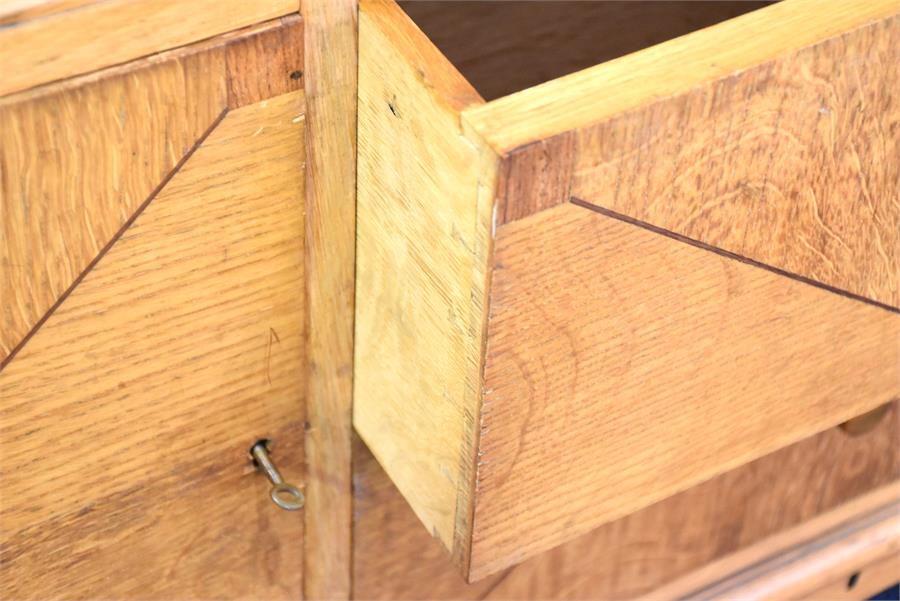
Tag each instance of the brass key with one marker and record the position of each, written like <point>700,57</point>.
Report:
<point>285,495</point>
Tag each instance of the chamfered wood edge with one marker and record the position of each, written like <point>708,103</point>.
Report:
<point>448,87</point>
<point>804,559</point>
<point>330,56</point>
<point>594,94</point>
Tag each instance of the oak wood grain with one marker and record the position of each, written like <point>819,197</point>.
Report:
<point>331,63</point>
<point>535,177</point>
<point>624,366</point>
<point>792,162</point>
<point>52,228</point>
<point>91,36</point>
<point>395,558</point>
<point>126,420</point>
<point>505,47</point>
<point>778,385</point>
<point>787,159</point>
<point>423,241</point>
<point>78,158</point>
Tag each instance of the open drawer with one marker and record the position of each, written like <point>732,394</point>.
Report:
<point>587,295</point>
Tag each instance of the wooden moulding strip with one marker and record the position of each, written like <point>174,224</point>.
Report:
<point>425,195</point>
<point>594,94</point>
<point>97,35</point>
<point>810,559</point>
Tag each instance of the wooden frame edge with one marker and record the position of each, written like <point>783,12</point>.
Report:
<point>666,69</point>
<point>330,79</point>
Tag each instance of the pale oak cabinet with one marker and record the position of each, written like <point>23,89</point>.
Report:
<point>610,295</point>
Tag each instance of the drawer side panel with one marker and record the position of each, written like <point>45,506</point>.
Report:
<point>423,238</point>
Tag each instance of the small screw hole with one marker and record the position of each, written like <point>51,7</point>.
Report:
<point>295,75</point>
<point>851,582</point>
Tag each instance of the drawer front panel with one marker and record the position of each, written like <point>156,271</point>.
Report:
<point>127,416</point>
<point>530,364</point>
<point>624,366</point>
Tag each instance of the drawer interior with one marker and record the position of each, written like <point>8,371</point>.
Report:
<point>504,47</point>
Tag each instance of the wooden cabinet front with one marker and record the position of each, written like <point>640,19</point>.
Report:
<point>154,324</point>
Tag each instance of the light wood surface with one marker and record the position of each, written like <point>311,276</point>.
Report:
<point>789,161</point>
<point>624,366</point>
<point>793,162</point>
<point>18,11</point>
<point>423,237</point>
<point>865,583</point>
<point>90,36</point>
<point>395,558</point>
<point>263,61</point>
<point>143,118</point>
<point>52,229</point>
<point>815,560</point>
<point>127,418</point>
<point>505,47</point>
<point>330,38</point>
